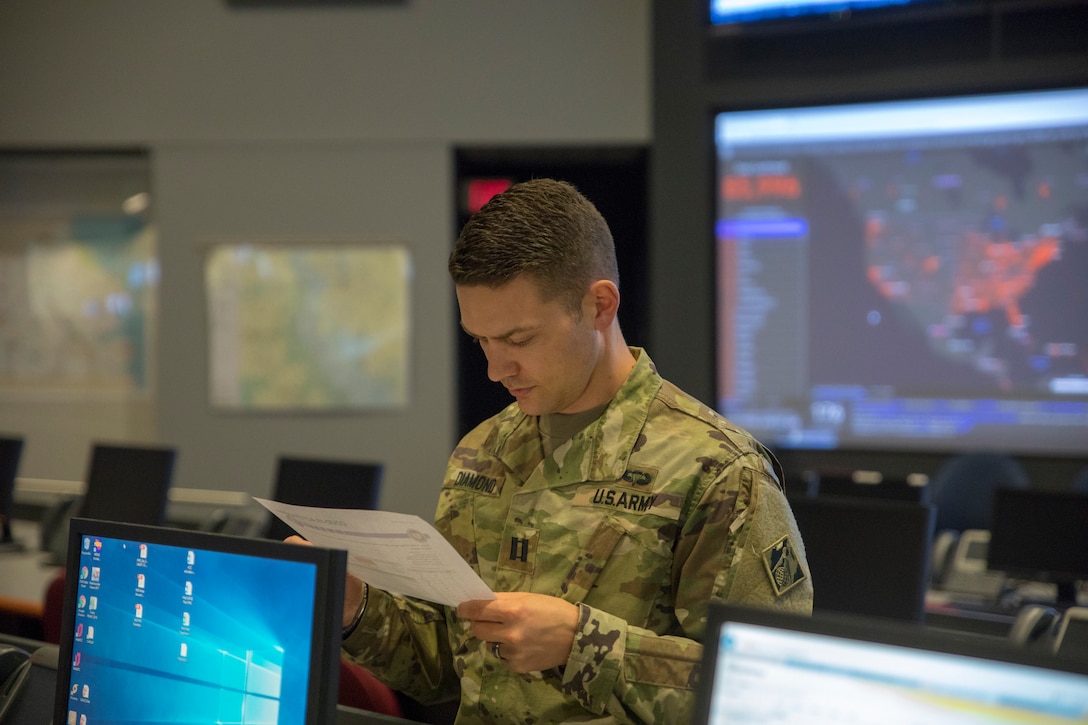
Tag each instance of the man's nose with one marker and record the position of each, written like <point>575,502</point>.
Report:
<point>499,364</point>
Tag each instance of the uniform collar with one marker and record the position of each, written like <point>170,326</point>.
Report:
<point>599,452</point>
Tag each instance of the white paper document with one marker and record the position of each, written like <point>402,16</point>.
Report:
<point>399,553</point>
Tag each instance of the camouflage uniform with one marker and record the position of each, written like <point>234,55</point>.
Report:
<point>640,519</point>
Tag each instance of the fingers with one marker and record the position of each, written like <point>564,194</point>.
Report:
<point>481,610</point>
<point>533,632</point>
<point>296,539</point>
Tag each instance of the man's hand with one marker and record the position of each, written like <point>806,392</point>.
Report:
<point>353,587</point>
<point>534,631</point>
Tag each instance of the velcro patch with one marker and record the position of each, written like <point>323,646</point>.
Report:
<point>783,566</point>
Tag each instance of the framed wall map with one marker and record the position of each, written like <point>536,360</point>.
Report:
<point>308,326</point>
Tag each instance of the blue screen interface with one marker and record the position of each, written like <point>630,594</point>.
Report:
<point>167,634</point>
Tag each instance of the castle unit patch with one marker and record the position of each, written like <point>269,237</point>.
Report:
<point>783,566</point>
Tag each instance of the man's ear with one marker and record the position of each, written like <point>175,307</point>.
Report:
<point>603,299</point>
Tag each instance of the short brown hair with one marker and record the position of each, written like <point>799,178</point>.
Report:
<point>544,228</point>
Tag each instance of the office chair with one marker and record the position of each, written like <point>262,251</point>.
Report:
<point>53,608</point>
<point>1034,626</point>
<point>363,691</point>
<point>1070,638</point>
<point>323,483</point>
<point>962,488</point>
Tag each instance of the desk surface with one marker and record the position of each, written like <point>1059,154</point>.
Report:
<point>24,575</point>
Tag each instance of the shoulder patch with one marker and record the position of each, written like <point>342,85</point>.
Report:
<point>783,566</point>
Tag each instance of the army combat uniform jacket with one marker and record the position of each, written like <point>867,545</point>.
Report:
<point>642,518</point>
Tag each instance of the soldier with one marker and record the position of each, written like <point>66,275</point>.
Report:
<point>605,507</point>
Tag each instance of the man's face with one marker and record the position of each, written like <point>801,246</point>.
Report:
<point>538,350</point>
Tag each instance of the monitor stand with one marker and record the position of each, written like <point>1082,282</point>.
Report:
<point>7,541</point>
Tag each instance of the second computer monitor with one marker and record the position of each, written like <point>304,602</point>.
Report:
<point>1042,536</point>
<point>867,556</point>
<point>324,483</point>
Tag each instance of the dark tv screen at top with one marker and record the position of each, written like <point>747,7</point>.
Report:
<point>906,275</point>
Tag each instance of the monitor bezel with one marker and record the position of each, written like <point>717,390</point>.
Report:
<point>330,564</point>
<point>867,629</point>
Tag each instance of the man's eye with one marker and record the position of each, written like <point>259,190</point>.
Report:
<point>521,343</point>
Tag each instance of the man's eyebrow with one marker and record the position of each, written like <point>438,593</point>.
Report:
<point>503,337</point>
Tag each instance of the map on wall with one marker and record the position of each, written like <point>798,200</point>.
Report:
<point>308,326</point>
<point>77,305</point>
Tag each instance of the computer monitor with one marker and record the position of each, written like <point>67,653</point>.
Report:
<point>171,625</point>
<point>867,556</point>
<point>128,483</point>
<point>872,484</point>
<point>325,483</point>
<point>1041,536</point>
<point>11,449</point>
<point>765,666</point>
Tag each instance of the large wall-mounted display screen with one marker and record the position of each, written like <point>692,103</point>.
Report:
<point>906,275</point>
<point>742,12</point>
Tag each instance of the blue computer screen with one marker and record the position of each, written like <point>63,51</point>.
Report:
<point>170,634</point>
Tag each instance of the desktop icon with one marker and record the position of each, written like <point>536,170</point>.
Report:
<point>86,543</point>
<point>184,649</point>
<point>94,603</point>
<point>139,610</point>
<point>83,572</point>
<point>90,633</point>
<point>143,551</point>
<point>75,689</point>
<point>190,558</point>
<point>83,719</point>
<point>184,619</point>
<point>97,545</point>
<point>82,601</point>
<point>79,630</point>
<point>71,717</point>
<point>140,581</point>
<point>75,660</point>
<point>86,690</point>
<point>188,589</point>
<point>96,573</point>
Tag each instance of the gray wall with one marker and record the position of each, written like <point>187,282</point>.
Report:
<point>332,122</point>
